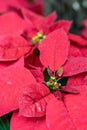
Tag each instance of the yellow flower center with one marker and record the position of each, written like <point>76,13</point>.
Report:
<point>53,84</point>
<point>38,38</point>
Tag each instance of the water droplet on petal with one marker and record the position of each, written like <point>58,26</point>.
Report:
<point>9,82</point>
<point>38,107</point>
<point>48,125</point>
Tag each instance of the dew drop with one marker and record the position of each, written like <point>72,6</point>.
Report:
<point>48,125</point>
<point>75,107</point>
<point>9,82</point>
<point>39,108</point>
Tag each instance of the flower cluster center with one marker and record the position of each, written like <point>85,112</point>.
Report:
<point>53,84</point>
<point>38,38</point>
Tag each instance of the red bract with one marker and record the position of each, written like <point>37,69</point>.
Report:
<point>80,79</point>
<point>69,112</point>
<point>75,65</point>
<point>34,100</point>
<point>62,114</point>
<point>21,123</point>
<point>13,80</point>
<point>45,25</point>
<point>84,29</point>
<point>39,22</point>
<point>84,33</point>
<point>83,50</point>
<point>34,5</point>
<point>76,107</point>
<point>11,23</point>
<point>37,74</point>
<point>52,47</point>
<point>34,18</point>
<point>65,24</point>
<point>78,40</point>
<point>57,116</point>
<point>13,47</point>
<point>33,59</point>
<point>74,50</point>
<point>4,5</point>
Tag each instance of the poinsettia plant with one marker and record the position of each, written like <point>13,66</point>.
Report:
<point>43,67</point>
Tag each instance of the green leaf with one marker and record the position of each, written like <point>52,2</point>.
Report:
<point>63,81</point>
<point>5,122</point>
<point>46,76</point>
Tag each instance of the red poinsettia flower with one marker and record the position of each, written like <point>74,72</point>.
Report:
<point>55,42</point>
<point>34,5</point>
<point>40,29</point>
<point>37,101</point>
<point>61,113</point>
<point>33,103</point>
<point>41,26</point>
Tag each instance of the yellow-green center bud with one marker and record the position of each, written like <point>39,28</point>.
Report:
<point>53,84</point>
<point>38,38</point>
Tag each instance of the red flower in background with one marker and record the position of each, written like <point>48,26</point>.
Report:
<point>42,24</point>
<point>34,5</point>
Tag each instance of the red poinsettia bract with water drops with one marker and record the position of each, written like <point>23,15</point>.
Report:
<point>40,106</point>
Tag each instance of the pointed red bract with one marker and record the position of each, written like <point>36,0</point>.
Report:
<point>12,82</point>
<point>83,51</point>
<point>77,104</point>
<point>51,49</point>
<point>3,6</point>
<point>75,65</point>
<point>77,39</point>
<point>11,23</point>
<point>65,24</point>
<point>22,123</point>
<point>80,79</point>
<point>74,50</point>
<point>34,100</point>
<point>57,116</point>
<point>13,47</point>
<point>51,18</point>
<point>36,19</point>
<point>33,59</point>
<point>77,108</point>
<point>38,75</point>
